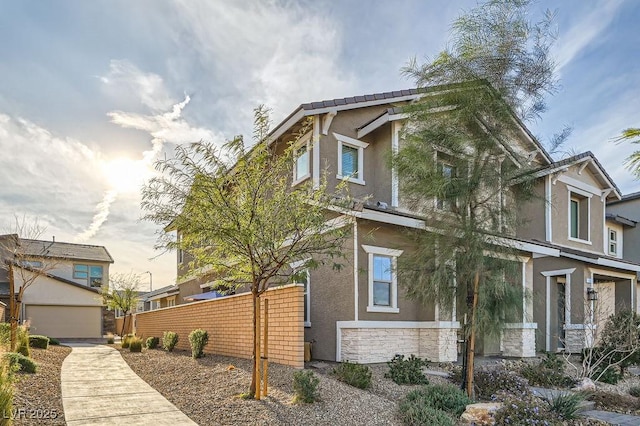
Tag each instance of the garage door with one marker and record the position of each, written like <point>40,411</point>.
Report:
<point>65,321</point>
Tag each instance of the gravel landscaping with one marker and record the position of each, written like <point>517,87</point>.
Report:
<point>38,396</point>
<point>207,391</point>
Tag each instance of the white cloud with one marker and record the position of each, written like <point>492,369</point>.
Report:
<point>585,32</point>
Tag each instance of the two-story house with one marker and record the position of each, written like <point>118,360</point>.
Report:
<point>361,314</point>
<point>62,297</point>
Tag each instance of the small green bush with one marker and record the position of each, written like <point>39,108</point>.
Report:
<point>448,398</point>
<point>305,387</point>
<point>353,374</point>
<point>634,391</point>
<point>126,340</point>
<point>135,344</point>
<point>111,340</point>
<point>540,375</point>
<point>198,339</point>
<point>488,383</point>
<point>22,341</point>
<point>412,413</point>
<point>6,389</point>
<point>17,359</point>
<point>169,340</point>
<point>152,342</point>
<point>54,341</point>
<point>5,334</point>
<point>407,371</point>
<point>566,405</point>
<point>37,341</point>
<point>524,410</point>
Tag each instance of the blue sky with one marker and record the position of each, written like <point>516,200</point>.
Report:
<point>91,92</point>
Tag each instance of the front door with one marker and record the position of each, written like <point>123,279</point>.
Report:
<point>562,301</point>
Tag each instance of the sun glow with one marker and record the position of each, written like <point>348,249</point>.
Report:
<point>125,175</point>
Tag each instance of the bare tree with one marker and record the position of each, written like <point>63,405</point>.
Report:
<point>24,260</point>
<point>122,293</point>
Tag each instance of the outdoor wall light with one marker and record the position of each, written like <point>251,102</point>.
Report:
<point>592,294</point>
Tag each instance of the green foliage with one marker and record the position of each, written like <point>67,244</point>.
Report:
<point>198,339</point>
<point>22,341</point>
<point>6,392</point>
<point>353,374</point>
<point>414,413</point>
<point>152,342</point>
<point>121,293</point>
<point>632,162</point>
<point>619,344</point>
<point>135,344</point>
<point>525,410</point>
<point>548,373</point>
<point>25,364</point>
<point>305,386</point>
<point>448,398</point>
<point>126,340</point>
<point>407,371</point>
<point>566,405</point>
<point>37,341</point>
<point>634,391</point>
<point>111,339</point>
<point>5,334</point>
<point>54,341</point>
<point>169,340</point>
<point>489,383</point>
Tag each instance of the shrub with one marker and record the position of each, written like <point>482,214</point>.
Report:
<point>527,410</point>
<point>5,334</point>
<point>6,390</point>
<point>169,340</point>
<point>412,413</point>
<point>126,340</point>
<point>407,371</point>
<point>198,339</point>
<point>54,341</point>
<point>353,374</point>
<point>110,339</point>
<point>614,402</point>
<point>448,398</point>
<point>305,387</point>
<point>540,375</point>
<point>552,361</point>
<point>634,391</point>
<point>566,405</point>
<point>17,359</point>
<point>40,342</point>
<point>22,341</point>
<point>152,342</point>
<point>135,344</point>
<point>488,383</point>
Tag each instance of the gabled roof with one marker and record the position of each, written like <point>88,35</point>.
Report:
<point>625,198</point>
<point>62,280</point>
<point>594,165</point>
<point>161,292</point>
<point>61,250</point>
<point>621,220</point>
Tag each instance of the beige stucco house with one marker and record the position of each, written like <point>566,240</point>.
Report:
<point>63,300</point>
<point>361,314</point>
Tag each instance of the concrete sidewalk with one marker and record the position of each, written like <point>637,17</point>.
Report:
<point>99,388</point>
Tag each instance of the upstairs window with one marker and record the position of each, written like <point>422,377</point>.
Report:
<point>91,273</point>
<point>613,242</point>
<point>301,167</point>
<point>579,219</point>
<point>350,159</point>
<point>448,172</point>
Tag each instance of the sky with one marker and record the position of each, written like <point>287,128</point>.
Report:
<point>93,92</point>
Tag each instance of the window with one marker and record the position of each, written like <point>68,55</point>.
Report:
<point>180,251</point>
<point>301,276</point>
<point>383,282</point>
<point>171,301</point>
<point>350,159</point>
<point>448,172</point>
<point>613,242</point>
<point>301,168</point>
<point>579,220</point>
<point>34,264</point>
<point>91,273</point>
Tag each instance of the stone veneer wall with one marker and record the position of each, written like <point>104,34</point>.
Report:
<point>379,344</point>
<point>575,340</point>
<point>519,340</point>
<point>228,321</point>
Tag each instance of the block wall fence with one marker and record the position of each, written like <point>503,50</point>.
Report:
<point>229,323</point>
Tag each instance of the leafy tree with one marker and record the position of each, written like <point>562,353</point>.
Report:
<point>633,161</point>
<point>23,266</point>
<point>238,215</point>
<point>459,169</point>
<point>122,293</point>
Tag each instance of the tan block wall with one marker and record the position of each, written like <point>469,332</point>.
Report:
<point>518,341</point>
<point>229,322</point>
<point>575,341</point>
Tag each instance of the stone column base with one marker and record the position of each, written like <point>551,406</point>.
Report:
<point>519,340</point>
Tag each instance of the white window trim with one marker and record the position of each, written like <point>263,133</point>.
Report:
<point>360,146</point>
<point>382,251</point>
<point>304,141</point>
<point>298,265</point>
<point>588,196</point>
<point>612,241</point>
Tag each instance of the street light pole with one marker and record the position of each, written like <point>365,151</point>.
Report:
<point>150,280</point>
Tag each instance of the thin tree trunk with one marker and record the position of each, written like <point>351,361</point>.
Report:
<point>252,389</point>
<point>13,319</point>
<point>472,336</point>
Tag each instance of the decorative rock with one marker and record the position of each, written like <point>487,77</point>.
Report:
<point>585,385</point>
<point>480,414</point>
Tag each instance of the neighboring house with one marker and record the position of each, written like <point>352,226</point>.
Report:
<point>161,298</point>
<point>361,314</point>
<point>63,301</point>
<point>625,214</point>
